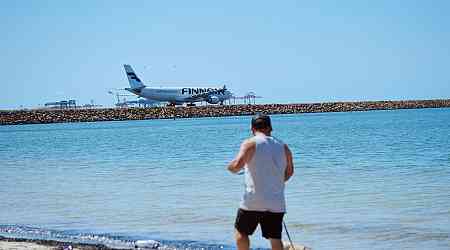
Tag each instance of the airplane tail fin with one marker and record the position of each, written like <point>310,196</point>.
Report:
<point>135,82</point>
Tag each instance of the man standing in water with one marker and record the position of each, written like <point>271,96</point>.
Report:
<point>268,165</point>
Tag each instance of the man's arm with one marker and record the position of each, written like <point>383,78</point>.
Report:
<point>245,155</point>
<point>290,164</point>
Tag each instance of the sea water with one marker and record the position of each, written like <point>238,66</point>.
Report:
<point>363,180</point>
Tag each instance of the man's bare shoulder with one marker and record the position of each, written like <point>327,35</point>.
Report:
<point>286,147</point>
<point>249,142</point>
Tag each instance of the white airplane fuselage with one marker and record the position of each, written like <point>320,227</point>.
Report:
<point>181,95</point>
<point>176,95</point>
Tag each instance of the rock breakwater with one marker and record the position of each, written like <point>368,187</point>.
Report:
<point>120,114</point>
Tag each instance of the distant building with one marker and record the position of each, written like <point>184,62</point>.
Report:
<point>62,104</point>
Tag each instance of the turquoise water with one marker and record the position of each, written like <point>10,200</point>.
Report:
<point>363,180</point>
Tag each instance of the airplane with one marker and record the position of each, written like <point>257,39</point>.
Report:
<point>175,96</point>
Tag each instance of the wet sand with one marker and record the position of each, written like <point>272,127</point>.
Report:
<point>27,244</point>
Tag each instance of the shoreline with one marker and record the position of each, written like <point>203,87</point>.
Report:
<point>7,243</point>
<point>36,244</point>
<point>45,116</point>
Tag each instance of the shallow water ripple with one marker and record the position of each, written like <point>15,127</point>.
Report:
<point>364,180</point>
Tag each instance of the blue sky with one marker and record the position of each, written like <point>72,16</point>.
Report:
<point>285,51</point>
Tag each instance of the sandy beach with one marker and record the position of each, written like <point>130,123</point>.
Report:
<point>7,245</point>
<point>26,244</point>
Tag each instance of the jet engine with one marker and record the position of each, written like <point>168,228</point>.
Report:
<point>212,99</point>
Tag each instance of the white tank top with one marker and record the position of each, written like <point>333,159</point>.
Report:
<point>264,176</point>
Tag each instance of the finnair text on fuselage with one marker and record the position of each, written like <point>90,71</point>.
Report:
<point>195,91</point>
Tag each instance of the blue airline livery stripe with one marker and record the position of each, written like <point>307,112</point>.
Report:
<point>133,76</point>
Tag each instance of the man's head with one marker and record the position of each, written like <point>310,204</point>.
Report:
<point>261,123</point>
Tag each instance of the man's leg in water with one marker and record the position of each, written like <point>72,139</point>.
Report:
<point>242,240</point>
<point>276,244</point>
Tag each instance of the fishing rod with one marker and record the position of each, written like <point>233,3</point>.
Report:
<point>289,237</point>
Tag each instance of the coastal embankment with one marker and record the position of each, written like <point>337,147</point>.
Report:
<point>119,114</point>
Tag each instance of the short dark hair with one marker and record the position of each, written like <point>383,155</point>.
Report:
<point>261,121</point>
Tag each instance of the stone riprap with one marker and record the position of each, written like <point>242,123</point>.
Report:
<point>120,114</point>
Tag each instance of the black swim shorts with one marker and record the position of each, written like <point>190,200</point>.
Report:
<point>271,223</point>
